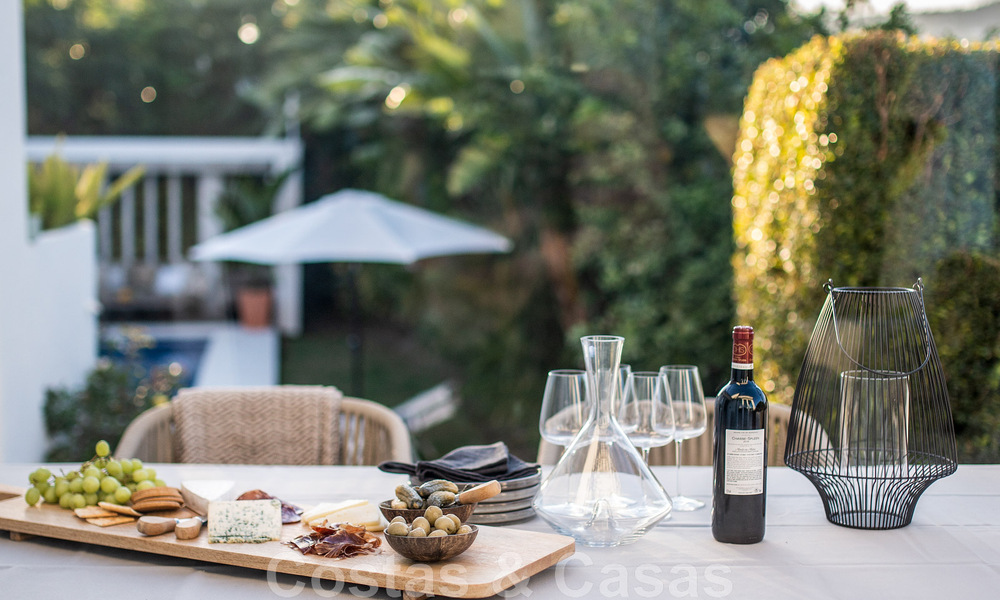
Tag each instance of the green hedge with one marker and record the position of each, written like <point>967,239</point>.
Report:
<point>869,160</point>
<point>965,315</point>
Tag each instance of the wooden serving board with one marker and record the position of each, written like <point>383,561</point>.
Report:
<point>499,558</point>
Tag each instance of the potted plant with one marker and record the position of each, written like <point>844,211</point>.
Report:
<point>246,200</point>
<point>60,193</point>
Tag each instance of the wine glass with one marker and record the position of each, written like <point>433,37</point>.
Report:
<point>647,415</point>
<point>690,420</point>
<point>564,406</point>
<point>624,371</point>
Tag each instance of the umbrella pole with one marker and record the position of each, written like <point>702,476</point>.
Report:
<point>355,336</point>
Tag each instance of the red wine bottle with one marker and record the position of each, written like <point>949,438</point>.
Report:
<point>739,459</point>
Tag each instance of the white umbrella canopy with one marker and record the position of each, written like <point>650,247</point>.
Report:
<point>352,226</point>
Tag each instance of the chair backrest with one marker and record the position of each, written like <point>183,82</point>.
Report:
<point>371,433</point>
<point>368,433</point>
<point>276,425</point>
<point>150,436</point>
<point>698,451</point>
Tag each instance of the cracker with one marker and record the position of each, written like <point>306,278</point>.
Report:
<point>171,497</point>
<point>154,505</point>
<point>92,512</point>
<point>156,492</point>
<point>164,498</point>
<point>118,509</point>
<point>109,521</point>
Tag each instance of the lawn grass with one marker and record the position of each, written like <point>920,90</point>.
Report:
<point>396,367</point>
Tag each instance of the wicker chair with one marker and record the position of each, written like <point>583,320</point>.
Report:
<point>367,433</point>
<point>698,451</point>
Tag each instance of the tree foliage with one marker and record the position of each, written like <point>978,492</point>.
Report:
<point>163,67</point>
<point>596,133</point>
<point>582,130</point>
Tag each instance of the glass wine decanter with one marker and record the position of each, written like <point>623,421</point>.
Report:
<point>601,492</point>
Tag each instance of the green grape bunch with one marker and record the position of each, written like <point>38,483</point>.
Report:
<point>103,478</point>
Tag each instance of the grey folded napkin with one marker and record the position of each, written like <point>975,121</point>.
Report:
<point>467,464</point>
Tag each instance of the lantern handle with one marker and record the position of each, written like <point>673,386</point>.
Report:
<point>917,287</point>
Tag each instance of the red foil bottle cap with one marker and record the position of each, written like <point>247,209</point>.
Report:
<point>743,347</point>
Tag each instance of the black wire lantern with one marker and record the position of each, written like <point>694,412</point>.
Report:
<point>871,422</point>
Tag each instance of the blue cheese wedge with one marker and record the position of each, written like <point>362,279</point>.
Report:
<point>244,521</point>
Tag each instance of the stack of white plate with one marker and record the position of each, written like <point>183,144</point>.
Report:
<point>512,504</point>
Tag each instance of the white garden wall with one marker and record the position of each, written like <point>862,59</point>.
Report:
<point>48,321</point>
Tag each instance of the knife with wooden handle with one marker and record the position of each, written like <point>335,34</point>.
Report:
<point>184,529</point>
<point>188,529</point>
<point>150,525</point>
<point>479,493</point>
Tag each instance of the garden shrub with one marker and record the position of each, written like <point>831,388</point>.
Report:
<point>115,392</point>
<point>864,159</point>
<point>964,312</point>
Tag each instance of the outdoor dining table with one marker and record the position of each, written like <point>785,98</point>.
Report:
<point>950,550</point>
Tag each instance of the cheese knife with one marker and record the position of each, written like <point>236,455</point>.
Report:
<point>188,529</point>
<point>480,492</point>
<point>184,529</point>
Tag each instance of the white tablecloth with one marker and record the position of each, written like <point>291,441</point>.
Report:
<point>951,550</point>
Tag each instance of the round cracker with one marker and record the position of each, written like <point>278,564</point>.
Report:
<point>171,497</point>
<point>154,505</point>
<point>168,497</point>
<point>154,492</point>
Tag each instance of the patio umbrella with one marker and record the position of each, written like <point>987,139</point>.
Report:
<point>350,226</point>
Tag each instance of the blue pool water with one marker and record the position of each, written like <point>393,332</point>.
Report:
<point>186,353</point>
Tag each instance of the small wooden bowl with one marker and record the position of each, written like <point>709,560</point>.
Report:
<point>431,549</point>
<point>462,511</point>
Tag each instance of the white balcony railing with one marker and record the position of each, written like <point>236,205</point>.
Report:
<point>143,239</point>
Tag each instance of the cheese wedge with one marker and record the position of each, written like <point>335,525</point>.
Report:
<point>324,508</point>
<point>198,493</point>
<point>356,512</point>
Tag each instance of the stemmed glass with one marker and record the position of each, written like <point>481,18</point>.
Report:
<point>688,401</point>
<point>624,372</point>
<point>647,415</point>
<point>564,406</point>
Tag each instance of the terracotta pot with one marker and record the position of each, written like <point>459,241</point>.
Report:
<point>253,305</point>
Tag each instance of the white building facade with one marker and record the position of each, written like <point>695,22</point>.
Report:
<point>48,292</point>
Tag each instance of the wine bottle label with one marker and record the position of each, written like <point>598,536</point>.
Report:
<point>744,462</point>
